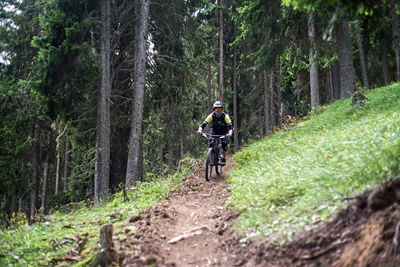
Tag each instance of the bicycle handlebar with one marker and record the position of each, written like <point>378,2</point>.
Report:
<point>212,135</point>
<point>207,135</point>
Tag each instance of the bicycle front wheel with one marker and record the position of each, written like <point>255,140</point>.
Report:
<point>209,164</point>
<point>218,166</point>
<point>218,169</point>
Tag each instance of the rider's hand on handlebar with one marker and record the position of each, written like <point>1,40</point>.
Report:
<point>199,132</point>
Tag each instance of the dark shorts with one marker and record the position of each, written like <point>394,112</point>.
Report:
<point>224,141</point>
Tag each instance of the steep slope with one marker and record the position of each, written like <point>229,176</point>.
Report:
<point>366,233</point>
<point>297,186</point>
<point>192,227</point>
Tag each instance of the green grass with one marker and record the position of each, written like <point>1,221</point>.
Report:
<point>24,245</point>
<point>294,178</point>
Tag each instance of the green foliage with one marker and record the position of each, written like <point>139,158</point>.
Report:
<point>364,7</point>
<point>293,97</point>
<point>64,62</point>
<point>52,47</point>
<point>16,130</point>
<point>32,245</point>
<point>262,29</point>
<point>297,177</point>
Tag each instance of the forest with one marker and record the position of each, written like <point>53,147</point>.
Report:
<point>98,95</point>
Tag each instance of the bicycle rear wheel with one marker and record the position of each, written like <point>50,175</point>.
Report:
<point>209,164</point>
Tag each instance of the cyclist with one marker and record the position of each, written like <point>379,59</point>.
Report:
<point>221,125</point>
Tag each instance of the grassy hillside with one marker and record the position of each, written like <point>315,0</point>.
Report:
<point>52,237</point>
<point>281,183</point>
<point>297,177</point>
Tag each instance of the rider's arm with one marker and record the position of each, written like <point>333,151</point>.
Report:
<point>230,132</point>
<point>200,130</point>
<point>229,123</point>
<point>228,119</point>
<point>206,121</point>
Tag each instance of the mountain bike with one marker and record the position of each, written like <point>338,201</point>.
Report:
<point>214,154</point>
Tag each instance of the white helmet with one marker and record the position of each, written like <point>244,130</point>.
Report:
<point>217,104</point>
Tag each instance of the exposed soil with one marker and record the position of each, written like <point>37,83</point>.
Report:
<point>186,229</point>
<point>192,227</point>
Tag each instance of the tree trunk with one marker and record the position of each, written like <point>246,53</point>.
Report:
<point>385,65</point>
<point>35,174</point>
<point>140,163</point>
<point>170,149</point>
<point>13,205</point>
<point>119,139</point>
<point>235,106</point>
<point>314,87</point>
<point>267,109</point>
<point>182,141</point>
<point>221,52</point>
<point>20,199</point>
<point>102,164</point>
<point>363,63</point>
<point>106,255</point>
<point>58,150</point>
<point>66,163</point>
<point>209,86</point>
<point>45,175</point>
<point>328,82</point>
<point>335,80</point>
<point>161,155</point>
<point>346,66</point>
<point>57,186</point>
<point>135,140</point>
<point>396,34</point>
<point>20,205</point>
<point>278,93</point>
<point>272,100</point>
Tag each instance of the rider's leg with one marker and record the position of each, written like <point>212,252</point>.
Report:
<point>224,149</point>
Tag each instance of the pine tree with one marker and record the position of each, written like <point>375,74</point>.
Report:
<point>135,141</point>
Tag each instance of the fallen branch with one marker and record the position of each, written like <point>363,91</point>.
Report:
<point>200,260</point>
<point>80,244</point>
<point>193,232</point>
<point>74,255</point>
<point>72,238</point>
<point>58,244</point>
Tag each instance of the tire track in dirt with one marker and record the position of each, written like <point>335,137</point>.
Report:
<point>191,228</point>
<point>185,229</point>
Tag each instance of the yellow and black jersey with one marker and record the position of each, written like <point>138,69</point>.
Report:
<point>219,124</point>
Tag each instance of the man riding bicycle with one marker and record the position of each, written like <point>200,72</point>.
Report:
<point>221,125</point>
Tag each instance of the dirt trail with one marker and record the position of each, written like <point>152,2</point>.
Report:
<point>185,229</point>
<point>191,227</point>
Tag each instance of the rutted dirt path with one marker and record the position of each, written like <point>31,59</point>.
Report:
<point>185,229</point>
<point>191,227</point>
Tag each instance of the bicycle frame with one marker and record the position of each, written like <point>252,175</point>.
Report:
<point>213,154</point>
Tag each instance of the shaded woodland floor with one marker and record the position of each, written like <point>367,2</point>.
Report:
<point>192,227</point>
